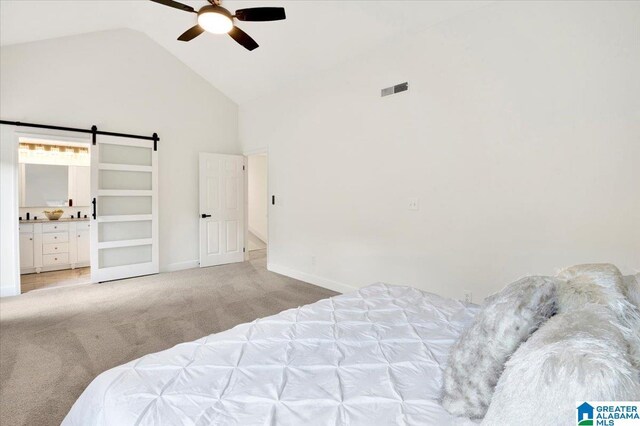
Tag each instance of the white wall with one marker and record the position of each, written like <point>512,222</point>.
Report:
<point>257,195</point>
<point>520,135</point>
<point>122,81</point>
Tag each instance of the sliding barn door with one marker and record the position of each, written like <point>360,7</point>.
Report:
<point>124,225</point>
<point>221,209</point>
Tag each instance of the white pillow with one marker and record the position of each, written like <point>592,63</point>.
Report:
<point>477,359</point>
<point>631,289</point>
<point>575,356</point>
<point>603,284</point>
<point>591,283</point>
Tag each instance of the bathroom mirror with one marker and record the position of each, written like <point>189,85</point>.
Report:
<point>48,185</point>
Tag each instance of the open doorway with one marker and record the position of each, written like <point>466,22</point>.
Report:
<point>54,207</point>
<point>258,202</point>
<point>112,231</point>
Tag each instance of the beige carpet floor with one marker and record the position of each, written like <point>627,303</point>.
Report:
<point>54,342</point>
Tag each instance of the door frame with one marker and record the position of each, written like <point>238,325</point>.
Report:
<point>247,154</point>
<point>12,198</point>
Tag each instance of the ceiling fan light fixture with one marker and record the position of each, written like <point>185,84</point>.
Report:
<point>215,19</point>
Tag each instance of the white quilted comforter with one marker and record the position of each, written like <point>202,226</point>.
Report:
<point>372,357</point>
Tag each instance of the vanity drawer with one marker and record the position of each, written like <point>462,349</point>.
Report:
<point>55,237</point>
<point>55,259</point>
<point>26,227</point>
<point>82,226</point>
<point>55,227</point>
<point>55,248</point>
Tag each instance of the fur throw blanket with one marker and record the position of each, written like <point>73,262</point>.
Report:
<point>575,356</point>
<point>477,359</point>
<point>590,349</point>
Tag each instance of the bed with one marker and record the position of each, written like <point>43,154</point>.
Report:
<point>371,357</point>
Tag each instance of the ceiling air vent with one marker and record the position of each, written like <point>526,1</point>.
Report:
<point>402,87</point>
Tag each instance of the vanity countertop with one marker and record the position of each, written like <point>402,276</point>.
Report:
<point>62,219</point>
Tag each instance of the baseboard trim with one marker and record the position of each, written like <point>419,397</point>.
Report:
<point>180,266</point>
<point>310,278</point>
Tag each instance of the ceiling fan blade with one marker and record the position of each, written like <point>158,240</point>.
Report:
<point>261,14</point>
<point>176,5</point>
<point>243,38</point>
<point>191,33</point>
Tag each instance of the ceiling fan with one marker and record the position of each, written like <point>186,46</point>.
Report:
<point>216,19</point>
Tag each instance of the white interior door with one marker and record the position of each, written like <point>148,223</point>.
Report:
<point>221,209</point>
<point>124,224</point>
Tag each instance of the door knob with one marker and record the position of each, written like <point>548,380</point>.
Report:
<point>204,216</point>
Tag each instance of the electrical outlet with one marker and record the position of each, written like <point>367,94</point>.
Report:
<point>414,203</point>
<point>468,296</point>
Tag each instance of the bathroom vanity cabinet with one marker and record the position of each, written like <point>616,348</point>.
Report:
<point>53,245</point>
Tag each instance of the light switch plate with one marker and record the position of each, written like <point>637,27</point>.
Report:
<point>414,203</point>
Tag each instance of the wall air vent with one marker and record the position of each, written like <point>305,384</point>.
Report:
<point>402,87</point>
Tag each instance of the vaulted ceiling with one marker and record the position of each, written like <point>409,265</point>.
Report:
<point>317,34</point>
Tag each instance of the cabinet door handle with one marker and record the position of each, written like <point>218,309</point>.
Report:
<point>204,216</point>
<point>94,208</point>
